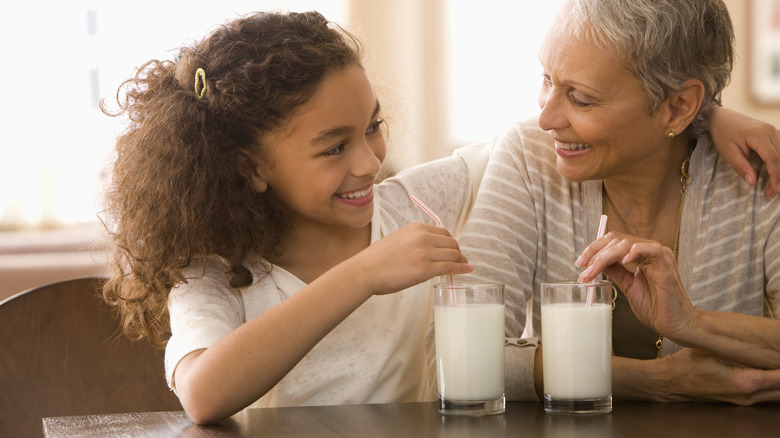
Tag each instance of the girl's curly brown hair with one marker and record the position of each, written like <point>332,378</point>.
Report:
<point>177,194</point>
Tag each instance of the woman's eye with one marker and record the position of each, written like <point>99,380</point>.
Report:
<point>578,102</point>
<point>546,80</point>
<point>374,127</point>
<point>334,151</point>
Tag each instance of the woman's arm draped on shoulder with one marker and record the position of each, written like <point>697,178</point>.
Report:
<point>735,135</point>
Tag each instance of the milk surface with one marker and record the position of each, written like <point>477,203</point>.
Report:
<point>577,350</point>
<point>470,351</point>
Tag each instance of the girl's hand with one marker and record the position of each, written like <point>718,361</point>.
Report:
<point>736,134</point>
<point>411,255</point>
<point>654,288</point>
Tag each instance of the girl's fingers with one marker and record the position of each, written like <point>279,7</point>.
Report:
<point>770,154</point>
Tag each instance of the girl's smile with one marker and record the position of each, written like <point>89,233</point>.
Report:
<point>358,198</point>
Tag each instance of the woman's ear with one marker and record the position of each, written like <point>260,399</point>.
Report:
<point>251,167</point>
<point>684,104</point>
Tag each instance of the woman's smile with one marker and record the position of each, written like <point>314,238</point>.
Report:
<point>569,150</point>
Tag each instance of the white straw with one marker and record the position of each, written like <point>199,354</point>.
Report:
<point>599,235</point>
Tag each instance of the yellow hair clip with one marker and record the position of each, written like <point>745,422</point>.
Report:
<point>200,75</point>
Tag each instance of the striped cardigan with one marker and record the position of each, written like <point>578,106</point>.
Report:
<point>529,224</point>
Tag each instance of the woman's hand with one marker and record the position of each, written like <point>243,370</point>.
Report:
<point>736,134</point>
<point>657,297</point>
<point>411,255</point>
<point>700,376</point>
<point>693,375</point>
<point>654,290</point>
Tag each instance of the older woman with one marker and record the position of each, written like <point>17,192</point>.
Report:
<point>628,91</point>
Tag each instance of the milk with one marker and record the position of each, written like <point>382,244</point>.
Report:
<point>470,351</point>
<point>577,350</point>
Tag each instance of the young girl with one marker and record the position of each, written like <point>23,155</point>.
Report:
<point>246,220</point>
<point>245,187</point>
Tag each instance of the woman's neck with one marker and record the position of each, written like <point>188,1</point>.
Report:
<point>646,204</point>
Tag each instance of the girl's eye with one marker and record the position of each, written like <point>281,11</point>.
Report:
<point>334,151</point>
<point>374,127</point>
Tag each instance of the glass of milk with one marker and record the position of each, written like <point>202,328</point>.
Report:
<point>469,328</point>
<point>577,347</point>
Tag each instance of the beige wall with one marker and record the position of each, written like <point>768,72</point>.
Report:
<point>402,43</point>
<point>737,94</point>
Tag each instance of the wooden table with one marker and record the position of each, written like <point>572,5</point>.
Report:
<point>521,419</point>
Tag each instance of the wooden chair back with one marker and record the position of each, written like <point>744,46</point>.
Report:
<point>62,353</point>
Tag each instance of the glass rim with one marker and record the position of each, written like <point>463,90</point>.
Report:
<point>594,283</point>
<point>461,284</point>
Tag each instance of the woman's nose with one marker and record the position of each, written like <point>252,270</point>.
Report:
<point>550,116</point>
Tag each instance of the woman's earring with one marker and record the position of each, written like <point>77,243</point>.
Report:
<point>670,134</point>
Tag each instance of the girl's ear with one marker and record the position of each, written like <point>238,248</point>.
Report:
<point>251,168</point>
<point>684,104</point>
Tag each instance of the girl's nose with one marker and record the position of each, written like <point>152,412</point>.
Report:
<point>369,159</point>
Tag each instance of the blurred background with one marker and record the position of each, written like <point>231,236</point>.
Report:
<point>447,72</point>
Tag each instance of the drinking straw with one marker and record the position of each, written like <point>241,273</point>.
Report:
<point>440,224</point>
<point>428,210</point>
<point>599,235</point>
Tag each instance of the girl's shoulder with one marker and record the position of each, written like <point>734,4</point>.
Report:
<point>207,285</point>
<point>212,267</point>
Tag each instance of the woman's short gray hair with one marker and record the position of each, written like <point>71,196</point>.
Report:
<point>664,43</point>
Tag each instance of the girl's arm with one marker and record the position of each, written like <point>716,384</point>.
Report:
<point>736,134</point>
<point>217,382</point>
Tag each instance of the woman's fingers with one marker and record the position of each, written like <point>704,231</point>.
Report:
<point>615,248</point>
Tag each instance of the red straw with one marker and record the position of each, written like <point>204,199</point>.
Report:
<point>599,235</point>
<point>440,224</point>
<point>428,210</point>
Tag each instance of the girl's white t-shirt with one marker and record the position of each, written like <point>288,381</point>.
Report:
<point>382,352</point>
